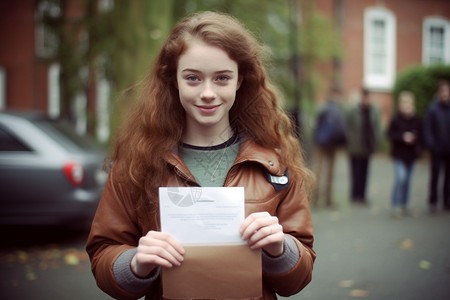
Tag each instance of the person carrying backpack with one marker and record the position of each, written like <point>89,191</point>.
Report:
<point>330,135</point>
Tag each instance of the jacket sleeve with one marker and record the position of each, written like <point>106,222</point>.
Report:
<point>294,215</point>
<point>428,130</point>
<point>114,232</point>
<point>394,133</point>
<point>377,127</point>
<point>319,120</point>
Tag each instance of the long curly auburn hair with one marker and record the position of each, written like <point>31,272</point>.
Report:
<point>155,126</point>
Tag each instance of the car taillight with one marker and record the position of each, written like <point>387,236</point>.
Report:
<point>74,173</point>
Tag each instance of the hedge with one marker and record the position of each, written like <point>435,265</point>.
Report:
<point>422,82</point>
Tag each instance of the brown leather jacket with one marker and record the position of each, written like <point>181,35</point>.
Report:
<point>118,224</point>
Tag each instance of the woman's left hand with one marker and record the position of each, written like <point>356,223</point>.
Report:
<point>261,230</point>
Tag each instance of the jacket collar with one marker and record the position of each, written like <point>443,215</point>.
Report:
<point>248,152</point>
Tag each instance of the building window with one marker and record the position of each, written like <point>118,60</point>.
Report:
<point>379,48</point>
<point>105,5</point>
<point>47,12</point>
<point>2,88</point>
<point>436,41</point>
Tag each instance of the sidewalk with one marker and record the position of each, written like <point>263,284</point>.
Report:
<point>365,253</point>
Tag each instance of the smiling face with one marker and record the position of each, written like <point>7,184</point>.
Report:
<point>207,81</point>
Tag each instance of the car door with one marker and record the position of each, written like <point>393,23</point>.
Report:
<point>26,177</point>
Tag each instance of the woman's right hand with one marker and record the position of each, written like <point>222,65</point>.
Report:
<point>409,137</point>
<point>156,249</point>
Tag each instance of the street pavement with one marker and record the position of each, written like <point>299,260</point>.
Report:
<point>362,251</point>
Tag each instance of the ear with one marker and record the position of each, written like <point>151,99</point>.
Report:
<point>239,82</point>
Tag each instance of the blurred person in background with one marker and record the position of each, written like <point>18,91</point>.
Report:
<point>330,135</point>
<point>201,121</point>
<point>405,134</point>
<point>363,137</point>
<point>437,139</point>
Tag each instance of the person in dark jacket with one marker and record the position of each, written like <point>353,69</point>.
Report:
<point>330,136</point>
<point>437,138</point>
<point>364,133</point>
<point>405,135</point>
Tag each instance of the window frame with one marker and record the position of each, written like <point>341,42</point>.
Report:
<point>372,80</point>
<point>435,21</point>
<point>46,39</point>
<point>2,88</point>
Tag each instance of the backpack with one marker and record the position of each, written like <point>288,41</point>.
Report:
<point>330,130</point>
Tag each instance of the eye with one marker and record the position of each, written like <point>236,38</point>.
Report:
<point>192,78</point>
<point>223,78</point>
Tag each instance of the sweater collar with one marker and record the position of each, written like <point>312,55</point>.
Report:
<point>249,152</point>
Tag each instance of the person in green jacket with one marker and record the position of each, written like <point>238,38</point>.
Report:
<point>363,137</point>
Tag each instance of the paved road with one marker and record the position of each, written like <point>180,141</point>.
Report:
<point>363,253</point>
<point>43,263</point>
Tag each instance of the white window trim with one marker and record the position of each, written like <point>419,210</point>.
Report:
<point>103,94</point>
<point>2,88</point>
<point>79,106</point>
<point>54,108</point>
<point>386,81</point>
<point>438,22</point>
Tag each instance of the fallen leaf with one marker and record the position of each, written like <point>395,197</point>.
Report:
<point>22,256</point>
<point>71,259</point>
<point>43,265</point>
<point>424,264</point>
<point>51,254</point>
<point>346,283</point>
<point>31,275</point>
<point>407,244</point>
<point>359,293</point>
<point>10,258</point>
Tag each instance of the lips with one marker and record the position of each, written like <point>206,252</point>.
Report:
<point>208,109</point>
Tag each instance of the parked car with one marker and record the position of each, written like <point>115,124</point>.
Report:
<point>49,175</point>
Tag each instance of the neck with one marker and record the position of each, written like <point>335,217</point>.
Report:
<point>407,115</point>
<point>206,138</point>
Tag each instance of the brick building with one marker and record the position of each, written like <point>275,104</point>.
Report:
<point>381,38</point>
<point>29,70</point>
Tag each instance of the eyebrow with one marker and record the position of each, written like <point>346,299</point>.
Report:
<point>198,71</point>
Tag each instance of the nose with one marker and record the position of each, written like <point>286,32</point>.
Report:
<point>208,93</point>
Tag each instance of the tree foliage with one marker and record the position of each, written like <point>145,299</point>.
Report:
<point>123,42</point>
<point>422,82</point>
<point>319,44</point>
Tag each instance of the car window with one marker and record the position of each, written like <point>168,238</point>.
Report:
<point>8,142</point>
<point>66,136</point>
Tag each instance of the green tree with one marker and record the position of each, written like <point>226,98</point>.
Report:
<point>422,82</point>
<point>122,43</point>
<point>269,22</point>
<point>319,44</point>
<point>278,25</point>
<point>133,33</point>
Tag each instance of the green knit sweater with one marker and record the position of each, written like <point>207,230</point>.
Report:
<point>210,164</point>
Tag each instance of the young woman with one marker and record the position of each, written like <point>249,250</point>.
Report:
<point>207,116</point>
<point>405,134</point>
